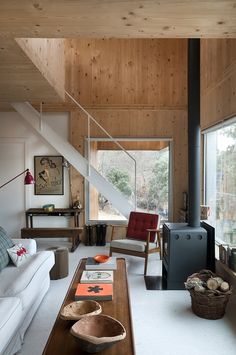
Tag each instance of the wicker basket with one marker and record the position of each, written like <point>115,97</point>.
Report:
<point>210,304</point>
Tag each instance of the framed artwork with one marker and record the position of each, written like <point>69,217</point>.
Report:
<point>48,174</point>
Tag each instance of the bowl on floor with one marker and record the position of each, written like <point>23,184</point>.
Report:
<point>97,333</point>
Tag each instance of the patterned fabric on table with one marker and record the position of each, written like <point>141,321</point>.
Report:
<point>5,243</point>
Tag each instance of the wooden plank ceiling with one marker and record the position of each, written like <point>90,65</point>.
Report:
<point>118,18</point>
<point>22,80</point>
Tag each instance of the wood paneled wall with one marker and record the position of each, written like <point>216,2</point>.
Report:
<point>218,80</point>
<point>134,88</point>
<point>123,73</point>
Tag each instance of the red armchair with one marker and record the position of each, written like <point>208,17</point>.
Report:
<point>142,237</point>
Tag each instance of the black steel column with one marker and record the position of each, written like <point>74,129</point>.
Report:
<point>194,131</point>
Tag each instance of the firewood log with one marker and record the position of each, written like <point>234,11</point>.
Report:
<point>224,286</point>
<point>212,284</point>
<point>218,279</point>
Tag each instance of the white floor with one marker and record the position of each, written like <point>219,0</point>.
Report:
<point>163,322</point>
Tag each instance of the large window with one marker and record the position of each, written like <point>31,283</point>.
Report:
<point>152,179</point>
<point>220,181</point>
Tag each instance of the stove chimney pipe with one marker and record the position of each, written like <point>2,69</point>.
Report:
<point>194,131</point>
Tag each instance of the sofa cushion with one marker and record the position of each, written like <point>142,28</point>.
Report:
<point>18,254</point>
<point>10,318</point>
<point>25,281</point>
<point>29,244</point>
<point>5,243</point>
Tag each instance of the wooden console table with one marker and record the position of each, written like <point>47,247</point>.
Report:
<point>64,212</point>
<point>71,233</point>
<point>61,341</point>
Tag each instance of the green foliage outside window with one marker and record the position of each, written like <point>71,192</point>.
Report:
<point>152,179</point>
<point>120,180</point>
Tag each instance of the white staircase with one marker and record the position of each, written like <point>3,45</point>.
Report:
<point>33,118</point>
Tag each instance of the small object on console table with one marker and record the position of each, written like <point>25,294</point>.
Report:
<point>49,208</point>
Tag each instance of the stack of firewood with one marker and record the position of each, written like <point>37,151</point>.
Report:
<point>206,281</point>
<point>209,294</point>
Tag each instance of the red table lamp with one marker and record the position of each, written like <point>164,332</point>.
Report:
<point>29,179</point>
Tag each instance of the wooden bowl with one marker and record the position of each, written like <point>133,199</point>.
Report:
<point>79,309</point>
<point>101,258</point>
<point>97,333</point>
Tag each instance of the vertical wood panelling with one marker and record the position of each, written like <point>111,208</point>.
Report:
<point>125,72</point>
<point>218,80</point>
<point>134,88</point>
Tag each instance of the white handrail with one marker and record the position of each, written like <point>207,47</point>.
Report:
<point>41,117</point>
<point>89,145</point>
<point>113,140</point>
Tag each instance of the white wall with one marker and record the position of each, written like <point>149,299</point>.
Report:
<point>18,146</point>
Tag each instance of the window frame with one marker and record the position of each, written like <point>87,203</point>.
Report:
<point>120,139</point>
<point>206,131</point>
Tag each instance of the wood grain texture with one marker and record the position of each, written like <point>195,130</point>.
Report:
<point>101,19</point>
<point>20,79</point>
<point>62,342</point>
<point>218,80</point>
<point>122,18</point>
<point>134,88</point>
<point>123,73</point>
<point>49,57</point>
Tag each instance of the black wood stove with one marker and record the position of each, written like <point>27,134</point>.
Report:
<point>188,247</point>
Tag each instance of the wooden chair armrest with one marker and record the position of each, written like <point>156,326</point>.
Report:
<point>150,230</point>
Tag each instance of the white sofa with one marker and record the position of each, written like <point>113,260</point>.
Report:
<point>21,292</point>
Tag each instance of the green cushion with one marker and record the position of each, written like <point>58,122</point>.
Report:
<point>5,243</point>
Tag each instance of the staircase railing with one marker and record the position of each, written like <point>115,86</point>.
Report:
<point>91,118</point>
<point>72,155</point>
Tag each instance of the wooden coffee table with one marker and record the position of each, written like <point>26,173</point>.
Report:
<point>61,341</point>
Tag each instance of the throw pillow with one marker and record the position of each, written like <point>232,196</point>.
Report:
<point>18,254</point>
<point>5,242</point>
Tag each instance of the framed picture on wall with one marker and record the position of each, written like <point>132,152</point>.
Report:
<point>48,173</point>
